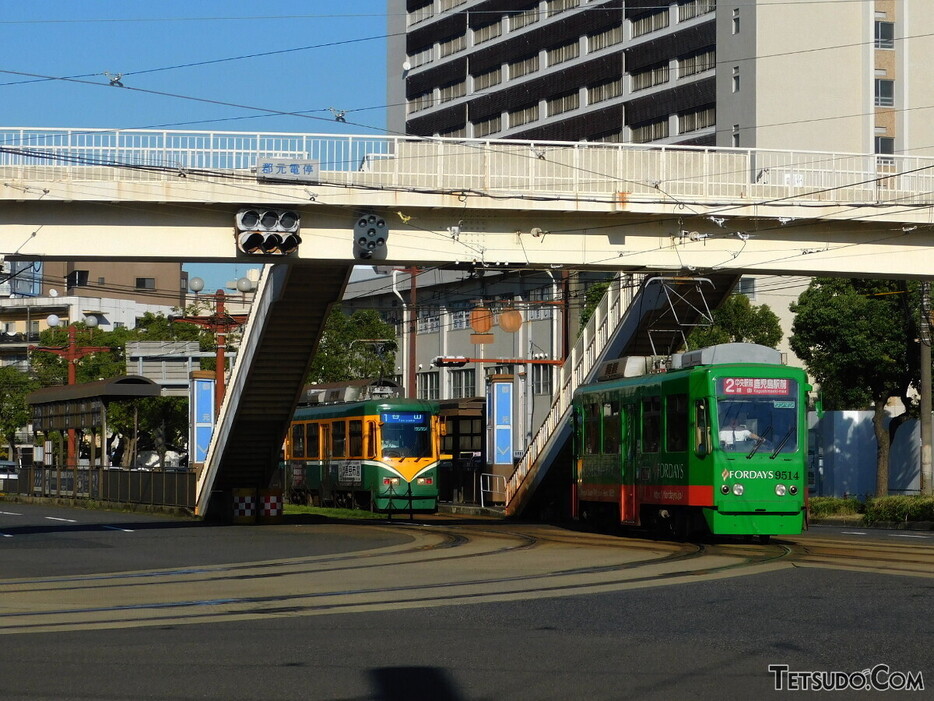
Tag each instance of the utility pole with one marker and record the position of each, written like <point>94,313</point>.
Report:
<point>926,471</point>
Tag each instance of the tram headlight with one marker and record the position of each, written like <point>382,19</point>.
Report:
<point>780,490</point>
<point>424,480</point>
<point>390,481</point>
<point>725,489</point>
<point>738,490</point>
<point>792,490</point>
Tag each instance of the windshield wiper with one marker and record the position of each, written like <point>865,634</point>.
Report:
<point>781,445</point>
<point>760,441</point>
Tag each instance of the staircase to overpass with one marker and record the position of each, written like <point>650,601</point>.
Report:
<point>652,318</point>
<point>291,307</point>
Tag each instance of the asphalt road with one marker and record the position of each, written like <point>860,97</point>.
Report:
<point>108,606</point>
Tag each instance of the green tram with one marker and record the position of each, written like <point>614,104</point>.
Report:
<point>380,455</point>
<point>716,443</point>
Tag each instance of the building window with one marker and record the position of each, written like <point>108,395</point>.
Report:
<point>452,45</point>
<point>563,103</point>
<point>523,115</point>
<point>651,131</point>
<point>698,119</point>
<point>523,66</point>
<point>421,102</point>
<point>145,283</point>
<point>608,137</point>
<point>541,379</point>
<point>705,60</point>
<point>420,14</point>
<point>885,149</point>
<point>459,133</point>
<point>488,79</point>
<point>451,4</point>
<point>420,58</point>
<point>524,18</point>
<point>689,9</point>
<point>565,52</point>
<point>885,92</point>
<point>487,32</point>
<point>488,126</point>
<point>650,23</point>
<point>538,309</point>
<point>555,7</point>
<point>429,320</point>
<point>79,278</point>
<point>611,36</point>
<point>604,91</point>
<point>650,77</point>
<point>735,78</point>
<point>885,35</point>
<point>453,91</point>
<point>735,136</point>
<point>747,286</point>
<point>463,384</point>
<point>735,24</point>
<point>428,385</point>
<point>460,319</point>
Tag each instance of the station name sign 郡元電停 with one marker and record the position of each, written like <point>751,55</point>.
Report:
<point>291,169</point>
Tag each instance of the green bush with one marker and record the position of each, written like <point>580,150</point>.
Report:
<point>820,507</point>
<point>900,508</point>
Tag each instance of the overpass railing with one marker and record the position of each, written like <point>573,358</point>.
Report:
<point>584,357</point>
<point>609,173</point>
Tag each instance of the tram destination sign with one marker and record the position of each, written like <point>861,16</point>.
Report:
<point>754,386</point>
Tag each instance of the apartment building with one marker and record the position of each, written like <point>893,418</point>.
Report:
<point>827,76</point>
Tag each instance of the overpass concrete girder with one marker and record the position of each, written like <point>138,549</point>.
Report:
<point>434,230</point>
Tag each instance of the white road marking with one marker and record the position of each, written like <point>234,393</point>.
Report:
<point>853,532</point>
<point>6,535</point>
<point>9,513</point>
<point>117,528</point>
<point>66,520</point>
<point>904,535</point>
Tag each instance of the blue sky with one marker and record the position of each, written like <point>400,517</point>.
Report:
<point>332,55</point>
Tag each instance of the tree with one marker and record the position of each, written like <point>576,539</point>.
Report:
<point>739,321</point>
<point>859,340</point>
<point>14,412</point>
<point>341,357</point>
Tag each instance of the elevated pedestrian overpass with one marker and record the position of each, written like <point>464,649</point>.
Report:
<point>148,195</point>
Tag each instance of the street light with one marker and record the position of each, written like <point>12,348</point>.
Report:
<point>220,323</point>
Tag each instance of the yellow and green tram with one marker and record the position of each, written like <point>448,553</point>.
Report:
<point>380,455</point>
<point>716,443</point>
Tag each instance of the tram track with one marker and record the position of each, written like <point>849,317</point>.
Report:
<point>534,563</point>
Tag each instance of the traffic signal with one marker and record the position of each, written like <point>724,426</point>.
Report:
<point>370,235</point>
<point>268,231</point>
<point>456,361</point>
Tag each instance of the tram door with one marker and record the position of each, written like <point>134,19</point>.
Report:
<point>327,453</point>
<point>627,453</point>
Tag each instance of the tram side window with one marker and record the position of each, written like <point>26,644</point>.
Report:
<point>701,427</point>
<point>339,439</point>
<point>651,424</point>
<point>298,440</point>
<point>356,438</point>
<point>592,429</point>
<point>611,427</point>
<point>312,445</point>
<point>676,423</point>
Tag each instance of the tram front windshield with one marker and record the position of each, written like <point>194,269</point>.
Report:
<point>406,435</point>
<point>758,414</point>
